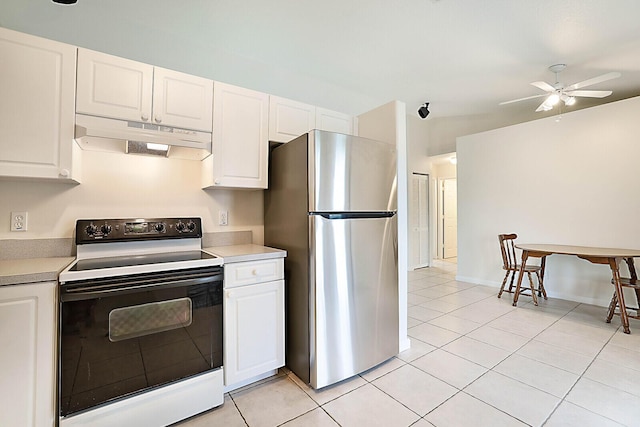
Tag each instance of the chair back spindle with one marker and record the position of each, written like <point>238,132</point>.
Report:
<point>507,247</point>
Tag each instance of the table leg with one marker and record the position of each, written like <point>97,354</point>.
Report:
<point>613,263</point>
<point>542,266</point>
<point>516,294</point>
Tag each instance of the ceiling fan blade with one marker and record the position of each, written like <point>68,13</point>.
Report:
<point>599,79</point>
<point>590,93</point>
<point>521,99</point>
<point>541,107</point>
<point>544,86</point>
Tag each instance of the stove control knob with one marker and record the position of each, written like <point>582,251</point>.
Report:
<point>159,227</point>
<point>91,229</point>
<point>180,226</point>
<point>106,229</point>
<point>191,225</point>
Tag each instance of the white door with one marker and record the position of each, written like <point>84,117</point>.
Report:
<point>254,330</point>
<point>28,355</point>
<point>109,86</point>
<point>240,151</point>
<point>334,121</point>
<point>37,98</point>
<point>419,220</point>
<point>182,100</point>
<point>289,119</point>
<point>449,218</point>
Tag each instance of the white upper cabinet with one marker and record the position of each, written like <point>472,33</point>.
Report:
<point>334,121</point>
<point>37,103</point>
<point>240,139</point>
<point>289,119</point>
<point>109,86</point>
<point>182,100</point>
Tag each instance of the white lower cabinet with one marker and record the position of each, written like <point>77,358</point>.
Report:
<point>254,321</point>
<point>28,356</point>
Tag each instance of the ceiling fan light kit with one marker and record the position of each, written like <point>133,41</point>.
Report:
<point>566,94</point>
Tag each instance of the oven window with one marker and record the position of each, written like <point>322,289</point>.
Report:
<point>120,343</point>
<point>151,318</point>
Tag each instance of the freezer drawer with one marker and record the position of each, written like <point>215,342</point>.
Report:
<point>353,296</point>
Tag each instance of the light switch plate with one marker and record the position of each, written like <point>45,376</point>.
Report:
<point>18,221</point>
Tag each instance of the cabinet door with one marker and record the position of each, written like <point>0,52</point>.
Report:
<point>289,119</point>
<point>240,139</point>
<point>109,86</point>
<point>27,334</point>
<point>254,330</point>
<point>182,100</point>
<point>37,101</point>
<point>333,121</point>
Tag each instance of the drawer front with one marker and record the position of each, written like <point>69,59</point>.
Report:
<point>251,272</point>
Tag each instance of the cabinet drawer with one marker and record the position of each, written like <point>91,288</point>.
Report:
<point>248,273</point>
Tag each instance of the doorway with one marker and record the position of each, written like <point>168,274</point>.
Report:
<point>419,255</point>
<point>449,217</point>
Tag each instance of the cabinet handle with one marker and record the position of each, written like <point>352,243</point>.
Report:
<point>64,173</point>
<point>145,117</point>
<point>158,119</point>
<point>216,181</point>
<point>254,272</point>
<point>229,294</point>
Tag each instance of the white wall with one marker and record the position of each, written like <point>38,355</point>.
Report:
<point>388,123</point>
<point>570,182</point>
<point>120,185</point>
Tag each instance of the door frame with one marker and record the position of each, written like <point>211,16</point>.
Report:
<point>440,215</point>
<point>412,206</point>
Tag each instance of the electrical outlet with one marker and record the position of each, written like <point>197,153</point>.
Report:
<point>18,221</point>
<point>223,217</point>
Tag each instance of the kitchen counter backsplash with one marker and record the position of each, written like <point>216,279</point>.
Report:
<point>66,247</point>
<point>36,248</point>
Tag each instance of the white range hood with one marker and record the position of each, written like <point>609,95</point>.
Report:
<point>112,135</point>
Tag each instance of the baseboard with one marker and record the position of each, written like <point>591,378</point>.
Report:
<point>550,293</point>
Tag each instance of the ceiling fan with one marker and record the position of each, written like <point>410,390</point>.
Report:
<point>567,94</point>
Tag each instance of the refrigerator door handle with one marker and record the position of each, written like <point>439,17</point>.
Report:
<point>354,215</point>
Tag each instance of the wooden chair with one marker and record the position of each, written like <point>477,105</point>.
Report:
<point>626,282</point>
<point>512,267</point>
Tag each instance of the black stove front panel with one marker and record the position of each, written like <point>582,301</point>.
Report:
<point>124,230</point>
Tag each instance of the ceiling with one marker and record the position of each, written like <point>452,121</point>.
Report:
<point>462,56</point>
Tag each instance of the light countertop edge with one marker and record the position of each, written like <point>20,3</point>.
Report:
<point>240,253</point>
<point>32,270</point>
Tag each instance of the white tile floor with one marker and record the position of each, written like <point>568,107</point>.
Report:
<point>475,360</point>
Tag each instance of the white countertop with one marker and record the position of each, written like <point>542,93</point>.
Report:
<point>30,270</point>
<point>239,253</point>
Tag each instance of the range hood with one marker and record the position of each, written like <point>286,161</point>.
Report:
<point>113,135</point>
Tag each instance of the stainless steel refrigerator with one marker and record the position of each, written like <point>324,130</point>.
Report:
<point>332,205</point>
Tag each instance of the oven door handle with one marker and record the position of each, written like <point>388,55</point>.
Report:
<point>70,293</point>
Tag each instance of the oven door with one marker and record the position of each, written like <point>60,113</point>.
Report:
<point>120,336</point>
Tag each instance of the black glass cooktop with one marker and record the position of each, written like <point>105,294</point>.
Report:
<point>132,260</point>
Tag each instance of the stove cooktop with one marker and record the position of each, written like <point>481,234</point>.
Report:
<point>134,260</point>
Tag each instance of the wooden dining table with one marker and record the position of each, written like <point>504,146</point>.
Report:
<point>595,255</point>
